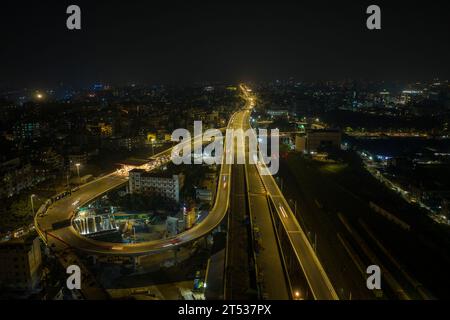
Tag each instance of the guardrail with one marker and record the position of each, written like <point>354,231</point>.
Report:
<point>258,282</point>
<point>300,231</point>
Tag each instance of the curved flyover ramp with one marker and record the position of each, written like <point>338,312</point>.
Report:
<point>62,211</point>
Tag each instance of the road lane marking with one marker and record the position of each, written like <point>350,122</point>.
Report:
<point>283,212</point>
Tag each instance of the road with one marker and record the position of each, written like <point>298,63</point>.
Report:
<point>318,280</point>
<point>269,259</point>
<point>62,238</point>
<point>240,260</point>
<point>240,273</point>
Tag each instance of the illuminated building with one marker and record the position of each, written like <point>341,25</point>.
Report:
<point>166,185</point>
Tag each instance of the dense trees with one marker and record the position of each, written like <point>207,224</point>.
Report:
<point>17,212</point>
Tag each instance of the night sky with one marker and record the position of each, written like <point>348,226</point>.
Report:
<point>189,41</point>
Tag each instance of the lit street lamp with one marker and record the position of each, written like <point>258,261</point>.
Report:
<point>39,96</point>
<point>78,170</point>
<point>153,151</point>
<point>77,165</point>
<point>32,202</point>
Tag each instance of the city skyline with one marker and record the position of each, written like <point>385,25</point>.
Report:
<point>224,151</point>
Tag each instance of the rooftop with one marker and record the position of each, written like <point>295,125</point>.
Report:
<point>155,174</point>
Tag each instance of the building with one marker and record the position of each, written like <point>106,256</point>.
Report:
<point>29,130</point>
<point>20,263</point>
<point>100,129</point>
<point>323,139</point>
<point>278,113</point>
<point>124,143</point>
<point>204,195</point>
<point>52,159</point>
<point>165,184</point>
<point>15,177</point>
<point>300,143</point>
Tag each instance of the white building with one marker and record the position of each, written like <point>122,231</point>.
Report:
<point>166,185</point>
<point>278,113</point>
<point>174,226</point>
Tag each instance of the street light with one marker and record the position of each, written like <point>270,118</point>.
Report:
<point>153,141</point>
<point>78,170</point>
<point>32,202</point>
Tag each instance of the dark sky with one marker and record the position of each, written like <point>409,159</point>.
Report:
<point>186,41</point>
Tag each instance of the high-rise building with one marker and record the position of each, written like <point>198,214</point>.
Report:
<point>318,139</point>
<point>15,176</point>
<point>20,263</point>
<point>28,130</point>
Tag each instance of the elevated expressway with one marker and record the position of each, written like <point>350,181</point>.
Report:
<point>302,265</point>
<point>298,253</point>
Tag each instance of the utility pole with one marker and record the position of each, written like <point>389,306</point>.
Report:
<point>78,171</point>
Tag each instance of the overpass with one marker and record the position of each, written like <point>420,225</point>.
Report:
<point>56,220</point>
<point>303,268</point>
<point>306,277</point>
